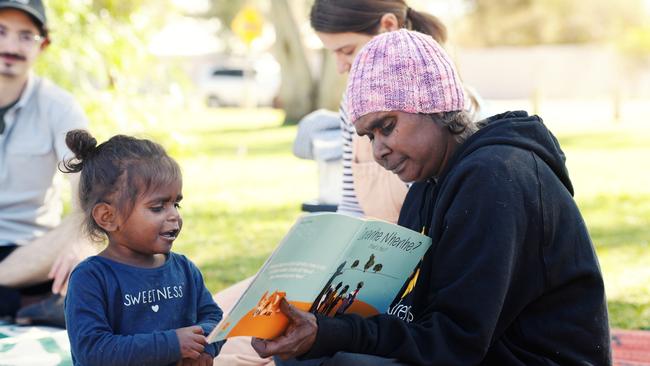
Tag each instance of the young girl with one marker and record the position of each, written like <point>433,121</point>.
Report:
<point>136,303</point>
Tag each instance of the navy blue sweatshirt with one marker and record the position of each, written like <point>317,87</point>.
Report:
<point>117,314</point>
<point>511,278</point>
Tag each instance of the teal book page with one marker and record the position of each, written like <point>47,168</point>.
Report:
<point>381,258</point>
<point>299,268</point>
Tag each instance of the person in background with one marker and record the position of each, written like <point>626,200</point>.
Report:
<point>511,277</point>
<point>37,249</point>
<point>344,27</point>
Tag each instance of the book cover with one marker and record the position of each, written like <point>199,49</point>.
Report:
<point>330,264</point>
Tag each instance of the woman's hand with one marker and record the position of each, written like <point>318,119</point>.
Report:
<point>296,340</point>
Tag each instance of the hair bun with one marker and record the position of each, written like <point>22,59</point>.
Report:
<point>82,144</point>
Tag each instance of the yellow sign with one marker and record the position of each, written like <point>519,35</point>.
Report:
<point>247,24</point>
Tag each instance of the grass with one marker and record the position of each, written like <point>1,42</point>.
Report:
<point>610,174</point>
<point>243,189</point>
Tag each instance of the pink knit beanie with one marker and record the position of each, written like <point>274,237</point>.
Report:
<point>403,71</point>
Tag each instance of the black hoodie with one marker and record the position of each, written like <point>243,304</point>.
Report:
<point>511,278</point>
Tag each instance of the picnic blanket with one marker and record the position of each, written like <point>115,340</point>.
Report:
<point>631,347</point>
<point>45,346</point>
<point>34,345</point>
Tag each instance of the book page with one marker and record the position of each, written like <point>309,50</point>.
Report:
<point>305,260</point>
<point>381,258</point>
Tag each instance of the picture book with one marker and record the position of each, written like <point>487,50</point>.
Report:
<point>329,264</point>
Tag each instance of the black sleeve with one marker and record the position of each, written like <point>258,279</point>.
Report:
<point>477,261</point>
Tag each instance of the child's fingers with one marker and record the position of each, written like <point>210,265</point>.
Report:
<point>200,340</point>
<point>192,362</point>
<point>198,347</point>
<point>198,344</point>
<point>206,359</point>
<point>192,349</point>
<point>189,354</point>
<point>193,355</point>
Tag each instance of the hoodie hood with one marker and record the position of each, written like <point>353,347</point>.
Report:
<point>520,130</point>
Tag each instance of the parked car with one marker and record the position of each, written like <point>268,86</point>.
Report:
<point>235,84</point>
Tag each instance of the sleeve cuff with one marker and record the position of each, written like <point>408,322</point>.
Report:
<point>175,346</point>
<point>333,335</point>
<point>211,349</point>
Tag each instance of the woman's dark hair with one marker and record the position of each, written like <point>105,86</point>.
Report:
<point>116,172</point>
<point>459,123</point>
<point>363,16</point>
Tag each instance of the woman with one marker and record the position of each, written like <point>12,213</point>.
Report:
<point>344,27</point>
<point>511,277</point>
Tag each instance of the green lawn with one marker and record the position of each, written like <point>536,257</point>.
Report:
<point>243,190</point>
<point>611,176</point>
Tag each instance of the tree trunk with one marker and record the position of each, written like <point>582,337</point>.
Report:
<point>297,91</point>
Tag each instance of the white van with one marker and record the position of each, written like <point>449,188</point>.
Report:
<point>235,85</point>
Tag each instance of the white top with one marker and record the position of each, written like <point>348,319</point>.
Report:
<point>31,147</point>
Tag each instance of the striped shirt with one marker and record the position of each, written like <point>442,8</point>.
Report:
<point>348,203</point>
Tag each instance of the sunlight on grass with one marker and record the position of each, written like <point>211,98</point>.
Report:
<point>612,184</point>
<point>242,189</point>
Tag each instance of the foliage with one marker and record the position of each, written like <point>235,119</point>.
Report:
<point>225,10</point>
<point>530,22</point>
<point>99,53</point>
<point>635,44</point>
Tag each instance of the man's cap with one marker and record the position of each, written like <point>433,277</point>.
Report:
<point>34,8</point>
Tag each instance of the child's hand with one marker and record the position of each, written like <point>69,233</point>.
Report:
<point>205,359</point>
<point>192,341</point>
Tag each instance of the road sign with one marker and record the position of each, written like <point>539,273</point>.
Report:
<point>247,24</point>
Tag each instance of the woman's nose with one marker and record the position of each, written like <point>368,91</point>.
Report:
<point>379,149</point>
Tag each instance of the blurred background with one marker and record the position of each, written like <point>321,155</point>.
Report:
<point>222,83</point>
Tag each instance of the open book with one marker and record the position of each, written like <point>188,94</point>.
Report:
<point>329,264</point>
